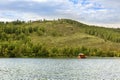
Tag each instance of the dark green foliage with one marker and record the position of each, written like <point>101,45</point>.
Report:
<point>16,40</point>
<point>105,33</point>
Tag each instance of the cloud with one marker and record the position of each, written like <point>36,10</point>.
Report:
<point>88,11</point>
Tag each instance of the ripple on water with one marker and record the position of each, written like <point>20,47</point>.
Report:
<point>59,69</point>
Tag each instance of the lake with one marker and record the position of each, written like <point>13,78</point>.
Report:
<point>59,69</point>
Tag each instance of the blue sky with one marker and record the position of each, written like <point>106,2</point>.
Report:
<point>95,12</point>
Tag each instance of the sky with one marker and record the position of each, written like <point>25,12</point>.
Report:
<point>93,12</point>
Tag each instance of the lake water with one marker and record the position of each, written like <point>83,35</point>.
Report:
<point>59,69</point>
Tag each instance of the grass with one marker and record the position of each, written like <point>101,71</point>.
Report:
<point>68,37</point>
<point>71,36</point>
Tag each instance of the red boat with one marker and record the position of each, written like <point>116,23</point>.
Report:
<point>82,56</point>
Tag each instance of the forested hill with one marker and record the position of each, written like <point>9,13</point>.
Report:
<point>57,38</point>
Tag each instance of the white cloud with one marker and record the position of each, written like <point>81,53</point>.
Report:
<point>88,11</point>
<point>37,0</point>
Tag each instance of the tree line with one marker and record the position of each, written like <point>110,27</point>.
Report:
<point>16,42</point>
<point>109,34</point>
<point>39,50</point>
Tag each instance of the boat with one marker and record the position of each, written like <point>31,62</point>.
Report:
<point>81,56</point>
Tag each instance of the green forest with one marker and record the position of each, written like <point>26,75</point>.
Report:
<point>57,38</point>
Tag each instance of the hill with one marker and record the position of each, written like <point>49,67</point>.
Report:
<point>57,38</point>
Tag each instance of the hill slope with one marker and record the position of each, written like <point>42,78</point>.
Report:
<point>58,38</point>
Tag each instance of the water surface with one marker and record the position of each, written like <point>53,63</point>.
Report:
<point>59,69</point>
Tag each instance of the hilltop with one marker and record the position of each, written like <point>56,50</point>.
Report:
<point>57,38</point>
